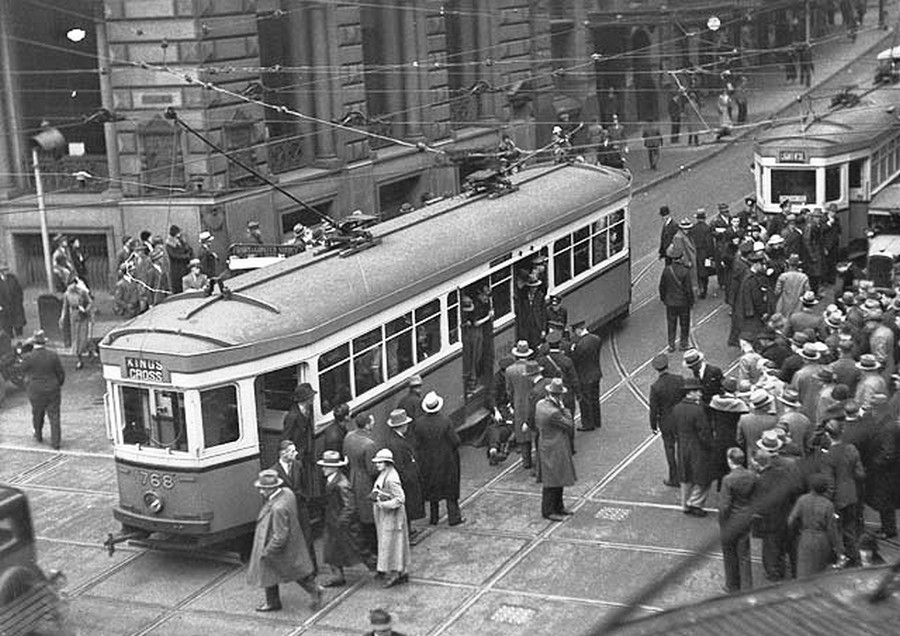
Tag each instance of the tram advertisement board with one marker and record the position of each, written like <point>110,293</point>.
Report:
<point>146,370</point>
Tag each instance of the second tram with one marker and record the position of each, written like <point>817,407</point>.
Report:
<point>198,386</point>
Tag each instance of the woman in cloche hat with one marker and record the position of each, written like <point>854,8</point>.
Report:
<point>390,520</point>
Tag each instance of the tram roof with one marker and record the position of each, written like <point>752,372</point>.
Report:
<point>838,130</point>
<point>305,298</point>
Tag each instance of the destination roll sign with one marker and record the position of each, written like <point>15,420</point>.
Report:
<point>146,370</point>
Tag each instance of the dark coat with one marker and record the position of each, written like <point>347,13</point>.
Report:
<point>665,235</point>
<point>558,365</point>
<point>12,310</point>
<point>411,403</point>
<point>555,425</point>
<point>738,488</point>
<point>702,236</point>
<point>279,550</point>
<point>295,480</point>
<point>774,487</point>
<point>437,447</point>
<point>332,438</point>
<point>179,254</point>
<point>753,303</point>
<point>725,411</point>
<point>299,428</point>
<point>359,449</point>
<point>586,358</point>
<point>343,537</point>
<point>711,383</point>
<point>883,466</point>
<point>44,371</point>
<point>407,467</point>
<point>846,471</point>
<point>820,541</point>
<point>665,393</point>
<point>530,315</point>
<point>695,442</point>
<point>675,286</point>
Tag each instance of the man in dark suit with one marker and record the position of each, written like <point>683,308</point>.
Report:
<point>559,365</point>
<point>45,376</point>
<point>669,227</point>
<point>288,469</point>
<point>586,358</point>
<point>735,510</point>
<point>665,393</point>
<point>676,291</point>
<point>710,377</point>
<point>702,236</point>
<point>299,427</point>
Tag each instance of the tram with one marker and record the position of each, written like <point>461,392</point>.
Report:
<point>845,154</point>
<point>197,387</point>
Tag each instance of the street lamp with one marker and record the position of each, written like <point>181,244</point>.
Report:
<point>48,140</point>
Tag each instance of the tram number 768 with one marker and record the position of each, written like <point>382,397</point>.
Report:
<point>156,480</point>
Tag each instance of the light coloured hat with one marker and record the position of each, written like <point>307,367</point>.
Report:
<point>384,455</point>
<point>556,387</point>
<point>205,236</point>
<point>432,402</point>
<point>333,459</point>
<point>397,418</point>
<point>268,479</point>
<point>770,441</point>
<point>692,357</point>
<point>522,350</point>
<point>760,398</point>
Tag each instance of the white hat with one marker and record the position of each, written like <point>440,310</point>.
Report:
<point>432,402</point>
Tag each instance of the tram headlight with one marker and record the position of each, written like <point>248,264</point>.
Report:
<point>153,502</point>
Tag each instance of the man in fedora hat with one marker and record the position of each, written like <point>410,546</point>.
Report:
<point>807,379</point>
<point>359,448</point>
<point>380,624</point>
<point>695,444</point>
<point>559,365</point>
<point>845,371</point>
<point>807,317</point>
<point>531,316</point>
<point>210,263</point>
<point>344,543</point>
<point>179,253</point>
<point>774,489</point>
<point>45,377</point>
<point>790,287</point>
<point>710,376</point>
<point>411,402</point>
<point>555,424</point>
<point>667,231</point>
<point>760,418</point>
<point>702,237</point>
<point>254,234</point>
<point>585,354</point>
<point>814,249</point>
<point>397,439</point>
<point>437,450</point>
<point>751,307</point>
<point>293,477</point>
<point>846,466</point>
<point>682,242</point>
<point>723,239</point>
<point>799,425</point>
<point>725,409</point>
<point>539,383</point>
<point>299,427</point>
<point>870,381</point>
<point>518,387</point>
<point>195,279</point>
<point>676,292</point>
<point>665,393</point>
<point>279,552</point>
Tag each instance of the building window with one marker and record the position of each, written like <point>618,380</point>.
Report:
<point>384,60</point>
<point>303,216</point>
<point>464,56</point>
<point>397,197</point>
<point>239,143</point>
<point>161,158</point>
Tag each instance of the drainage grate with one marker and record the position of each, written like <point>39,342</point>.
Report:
<point>608,513</point>
<point>513,614</point>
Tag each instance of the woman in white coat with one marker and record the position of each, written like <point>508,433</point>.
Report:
<point>390,520</point>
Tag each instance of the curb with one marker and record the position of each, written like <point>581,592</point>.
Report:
<point>889,34</point>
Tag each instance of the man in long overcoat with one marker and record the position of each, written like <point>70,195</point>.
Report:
<point>398,440</point>
<point>12,310</point>
<point>344,543</point>
<point>559,365</point>
<point>299,427</point>
<point>695,443</point>
<point>555,424</point>
<point>518,387</point>
<point>279,551</point>
<point>293,477</point>
<point>752,304</point>
<point>702,236</point>
<point>665,393</point>
<point>724,412</point>
<point>586,358</point>
<point>760,418</point>
<point>677,294</point>
<point>359,449</point>
<point>437,446</point>
<point>530,310</point>
<point>46,376</point>
<point>790,287</point>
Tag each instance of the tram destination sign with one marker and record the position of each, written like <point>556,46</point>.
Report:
<point>791,156</point>
<point>146,370</point>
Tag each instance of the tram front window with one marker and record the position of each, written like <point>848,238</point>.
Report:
<point>154,418</point>
<point>795,185</point>
<point>219,410</point>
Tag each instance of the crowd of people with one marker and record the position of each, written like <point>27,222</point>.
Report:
<point>806,430</point>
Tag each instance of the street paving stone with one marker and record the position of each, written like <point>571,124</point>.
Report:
<point>15,462</point>
<point>71,516</point>
<point>203,623</point>
<point>462,557</point>
<point>87,473</point>
<point>79,564</point>
<point>95,616</point>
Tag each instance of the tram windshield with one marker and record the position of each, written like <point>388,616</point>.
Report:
<point>154,418</point>
<point>794,185</point>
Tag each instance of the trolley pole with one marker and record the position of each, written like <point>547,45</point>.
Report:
<point>42,212</point>
<point>807,21</point>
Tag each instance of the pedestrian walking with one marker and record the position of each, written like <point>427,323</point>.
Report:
<point>667,231</point>
<point>677,294</point>
<point>701,235</point>
<point>359,448</point>
<point>586,358</point>
<point>653,141</point>
<point>45,377</point>
<point>279,552</point>
<point>344,543</point>
<point>555,425</point>
<point>389,511</point>
<point>813,518</point>
<point>735,512</point>
<point>695,444</point>
<point>77,318</point>
<point>693,121</point>
<point>291,474</point>
<point>805,62</point>
<point>724,105</point>
<point>665,393</point>
<point>518,387</point>
<point>437,449</point>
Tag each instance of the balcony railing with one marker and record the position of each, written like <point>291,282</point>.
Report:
<point>88,173</point>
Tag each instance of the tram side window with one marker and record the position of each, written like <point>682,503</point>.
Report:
<point>617,232</point>
<point>856,173</point>
<point>562,260</point>
<point>367,367</point>
<point>334,377</point>
<point>599,247</point>
<point>154,418</point>
<point>501,292</point>
<point>398,344</point>
<point>428,329</point>
<point>219,409</point>
<point>794,183</point>
<point>581,251</point>
<point>832,183</point>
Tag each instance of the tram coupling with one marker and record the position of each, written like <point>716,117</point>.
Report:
<point>113,539</point>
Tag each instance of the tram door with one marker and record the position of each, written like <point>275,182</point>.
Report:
<point>274,395</point>
<point>477,321</point>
